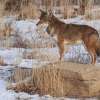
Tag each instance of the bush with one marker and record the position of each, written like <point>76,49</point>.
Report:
<point>22,8</point>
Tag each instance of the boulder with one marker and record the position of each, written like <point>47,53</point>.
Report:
<point>66,79</point>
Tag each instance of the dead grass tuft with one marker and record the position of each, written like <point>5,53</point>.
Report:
<point>2,61</point>
<point>43,81</point>
<point>6,30</point>
<point>23,86</point>
<point>50,81</point>
<point>22,8</point>
<point>28,12</point>
<point>20,74</point>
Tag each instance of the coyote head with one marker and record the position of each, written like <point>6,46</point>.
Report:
<point>44,17</point>
<point>48,17</point>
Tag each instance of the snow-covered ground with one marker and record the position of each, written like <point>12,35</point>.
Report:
<point>13,57</point>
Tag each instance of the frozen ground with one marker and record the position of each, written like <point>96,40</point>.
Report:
<point>13,57</point>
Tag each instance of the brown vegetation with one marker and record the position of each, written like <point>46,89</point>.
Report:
<point>2,61</point>
<point>62,79</point>
<point>28,12</point>
<point>66,8</point>
<point>6,30</point>
<point>21,8</point>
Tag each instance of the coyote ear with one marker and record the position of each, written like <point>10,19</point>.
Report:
<point>42,11</point>
<point>50,13</point>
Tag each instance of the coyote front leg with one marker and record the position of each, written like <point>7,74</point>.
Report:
<point>61,49</point>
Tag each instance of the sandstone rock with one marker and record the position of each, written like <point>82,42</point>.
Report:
<point>68,79</point>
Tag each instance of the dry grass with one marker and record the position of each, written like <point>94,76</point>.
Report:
<point>28,12</point>
<point>50,81</point>
<point>19,8</point>
<point>23,86</point>
<point>1,9</point>
<point>38,54</point>
<point>5,30</point>
<point>19,43</point>
<point>28,9</point>
<point>43,81</point>
<point>2,61</point>
<point>20,74</point>
<point>23,9</point>
<point>92,16</point>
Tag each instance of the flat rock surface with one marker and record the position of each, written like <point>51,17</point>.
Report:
<point>87,71</point>
<point>78,80</point>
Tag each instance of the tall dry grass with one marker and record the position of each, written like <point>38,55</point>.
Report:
<point>1,9</point>
<point>19,8</point>
<point>67,8</point>
<point>43,81</point>
<point>20,74</point>
<point>51,81</point>
<point>28,12</point>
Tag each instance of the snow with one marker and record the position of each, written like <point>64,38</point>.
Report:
<point>79,20</point>
<point>25,26</point>
<point>76,20</point>
<point>7,96</point>
<point>95,24</point>
<point>33,63</point>
<point>2,86</point>
<point>11,56</point>
<point>77,54</point>
<point>26,30</point>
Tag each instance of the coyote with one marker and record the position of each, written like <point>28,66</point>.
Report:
<point>67,33</point>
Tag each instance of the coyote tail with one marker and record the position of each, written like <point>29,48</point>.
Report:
<point>98,47</point>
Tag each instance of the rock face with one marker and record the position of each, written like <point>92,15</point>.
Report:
<point>66,79</point>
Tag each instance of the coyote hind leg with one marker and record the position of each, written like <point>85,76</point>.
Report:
<point>93,55</point>
<point>90,43</point>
